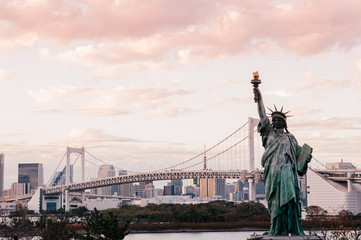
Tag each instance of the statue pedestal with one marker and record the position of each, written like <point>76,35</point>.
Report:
<point>265,237</point>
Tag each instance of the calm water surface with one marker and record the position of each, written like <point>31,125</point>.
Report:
<point>191,236</point>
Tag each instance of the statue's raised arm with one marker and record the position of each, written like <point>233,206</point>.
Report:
<point>258,96</point>
<point>260,106</point>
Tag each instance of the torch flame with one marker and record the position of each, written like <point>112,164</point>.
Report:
<point>255,75</point>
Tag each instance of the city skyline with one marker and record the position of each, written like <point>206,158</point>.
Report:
<point>147,83</point>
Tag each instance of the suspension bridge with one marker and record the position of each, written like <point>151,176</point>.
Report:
<point>237,156</point>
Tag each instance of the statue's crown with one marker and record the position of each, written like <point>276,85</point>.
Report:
<point>280,113</point>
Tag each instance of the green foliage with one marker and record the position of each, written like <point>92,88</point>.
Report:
<point>56,229</point>
<point>80,211</point>
<point>215,211</point>
<point>98,227</point>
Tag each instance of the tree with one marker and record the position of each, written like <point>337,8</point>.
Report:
<point>315,211</point>
<point>18,225</point>
<point>100,227</point>
<point>56,229</point>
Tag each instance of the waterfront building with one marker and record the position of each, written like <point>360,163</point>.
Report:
<point>18,189</point>
<point>178,184</point>
<point>159,191</point>
<point>149,191</point>
<point>207,188</point>
<point>31,173</point>
<point>188,190</point>
<point>230,188</point>
<point>1,174</point>
<point>220,187</point>
<point>168,190</point>
<point>340,165</point>
<point>102,204</point>
<point>137,190</point>
<point>331,195</point>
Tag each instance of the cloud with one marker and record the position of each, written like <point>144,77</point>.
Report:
<point>224,100</point>
<point>171,111</point>
<point>44,52</point>
<point>5,75</point>
<point>140,30</point>
<point>150,99</point>
<point>333,123</point>
<point>100,112</point>
<point>358,65</point>
<point>47,95</point>
<point>304,111</point>
<point>47,110</point>
<point>323,84</point>
<point>9,41</point>
<point>78,136</point>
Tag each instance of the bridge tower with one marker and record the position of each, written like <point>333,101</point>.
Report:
<point>252,123</point>
<point>69,151</point>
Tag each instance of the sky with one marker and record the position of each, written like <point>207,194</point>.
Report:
<point>146,84</point>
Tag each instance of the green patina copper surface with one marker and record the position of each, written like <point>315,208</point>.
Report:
<point>280,172</point>
<point>281,180</point>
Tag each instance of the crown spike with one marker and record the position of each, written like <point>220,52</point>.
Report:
<point>281,109</point>
<point>287,112</point>
<point>275,107</point>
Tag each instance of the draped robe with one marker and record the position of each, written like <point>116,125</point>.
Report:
<point>281,180</point>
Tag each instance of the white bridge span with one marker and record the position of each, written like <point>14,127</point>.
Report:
<point>243,175</point>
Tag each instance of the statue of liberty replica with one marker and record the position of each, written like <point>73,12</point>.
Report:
<point>283,161</point>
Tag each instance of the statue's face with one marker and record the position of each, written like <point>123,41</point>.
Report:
<point>278,123</point>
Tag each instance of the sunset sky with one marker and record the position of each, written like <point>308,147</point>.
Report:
<point>146,83</point>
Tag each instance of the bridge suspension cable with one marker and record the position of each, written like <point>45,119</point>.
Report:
<point>220,153</point>
<point>200,154</point>
<point>47,184</point>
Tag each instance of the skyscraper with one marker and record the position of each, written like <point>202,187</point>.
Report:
<point>178,185</point>
<point>124,189</point>
<point>220,187</point>
<point>207,187</point>
<point>106,171</point>
<point>31,173</point>
<point>1,174</point>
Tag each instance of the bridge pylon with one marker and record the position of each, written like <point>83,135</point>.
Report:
<point>252,123</point>
<point>70,150</point>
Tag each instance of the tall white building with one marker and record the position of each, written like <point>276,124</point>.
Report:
<point>1,174</point>
<point>331,195</point>
<point>106,171</point>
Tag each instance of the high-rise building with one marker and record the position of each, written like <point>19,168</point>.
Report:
<point>124,189</point>
<point>149,191</point>
<point>188,190</point>
<point>137,190</point>
<point>178,184</point>
<point>1,174</point>
<point>168,190</point>
<point>18,189</point>
<point>207,186</point>
<point>31,173</point>
<point>230,190</point>
<point>106,171</point>
<point>220,187</point>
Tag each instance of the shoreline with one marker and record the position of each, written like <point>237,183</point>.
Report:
<point>196,231</point>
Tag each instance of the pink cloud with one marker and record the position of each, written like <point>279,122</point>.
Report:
<point>194,31</point>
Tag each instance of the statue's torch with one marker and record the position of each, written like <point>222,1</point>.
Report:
<point>255,82</point>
